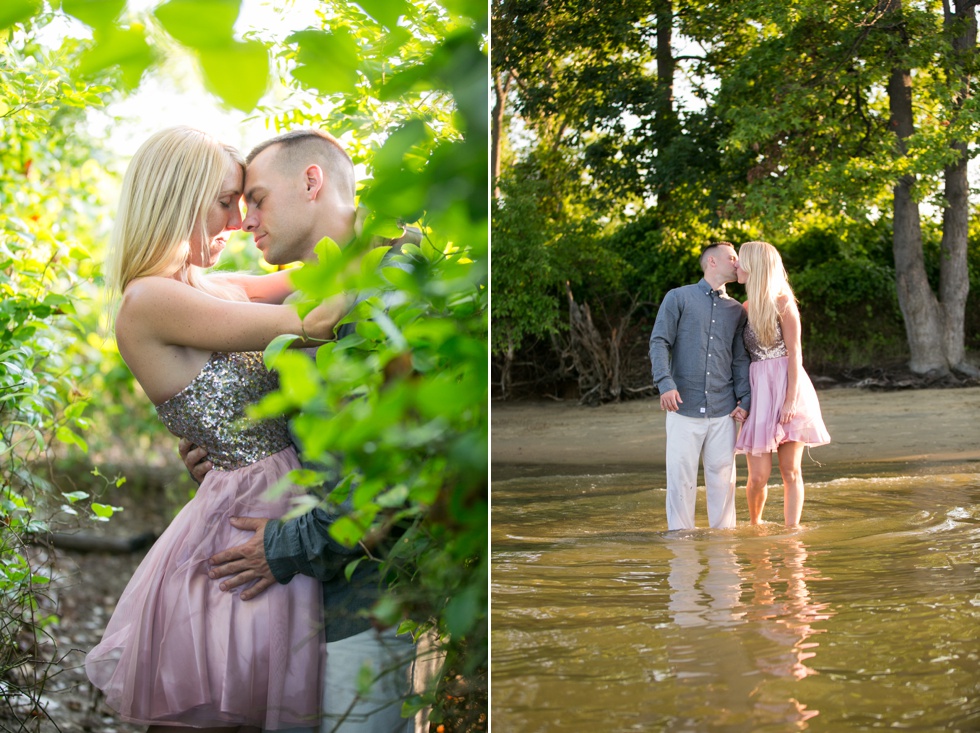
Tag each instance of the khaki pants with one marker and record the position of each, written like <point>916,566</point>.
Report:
<point>691,440</point>
<point>398,668</point>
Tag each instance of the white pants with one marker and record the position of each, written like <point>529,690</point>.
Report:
<point>356,700</point>
<point>689,441</point>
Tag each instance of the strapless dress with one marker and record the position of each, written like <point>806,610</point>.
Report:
<point>768,375</point>
<point>180,651</point>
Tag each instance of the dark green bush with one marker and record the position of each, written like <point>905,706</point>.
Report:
<point>850,315</point>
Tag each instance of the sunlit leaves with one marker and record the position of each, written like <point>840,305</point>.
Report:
<point>386,12</point>
<point>199,24</point>
<point>70,437</point>
<point>327,60</point>
<point>104,512</point>
<point>456,65</point>
<point>323,278</point>
<point>474,10</point>
<point>237,72</point>
<point>118,47</point>
<point>50,187</point>
<point>276,347</point>
<point>97,13</point>
<point>17,11</point>
<point>298,376</point>
<point>397,190</point>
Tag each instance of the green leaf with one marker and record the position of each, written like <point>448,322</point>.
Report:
<point>401,279</point>
<point>69,437</point>
<point>276,347</point>
<point>200,24</point>
<point>17,11</point>
<point>352,566</point>
<point>475,9</point>
<point>387,611</point>
<point>401,194</point>
<point>407,626</point>
<point>299,378</point>
<point>126,49</point>
<point>386,12</point>
<point>393,498</point>
<point>346,531</point>
<point>365,679</point>
<point>392,155</point>
<point>462,611</point>
<point>326,61</point>
<point>104,511</point>
<point>327,249</point>
<point>372,259</point>
<point>238,73</point>
<point>75,496</point>
<point>383,226</point>
<point>99,14</point>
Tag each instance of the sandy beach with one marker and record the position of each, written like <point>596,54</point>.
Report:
<point>922,428</point>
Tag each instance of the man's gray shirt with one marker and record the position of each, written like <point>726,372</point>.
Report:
<point>696,348</point>
<point>303,545</point>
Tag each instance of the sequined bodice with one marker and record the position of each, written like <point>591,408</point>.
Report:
<point>758,352</point>
<point>210,411</point>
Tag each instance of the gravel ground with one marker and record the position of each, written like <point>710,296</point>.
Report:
<point>82,594</point>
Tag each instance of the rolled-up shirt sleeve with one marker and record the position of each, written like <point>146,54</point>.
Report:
<point>662,342</point>
<point>303,545</point>
<point>740,368</point>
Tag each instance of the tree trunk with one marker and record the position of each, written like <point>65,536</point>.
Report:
<point>920,309</point>
<point>954,278</point>
<point>667,122</point>
<point>501,86</point>
<point>953,273</point>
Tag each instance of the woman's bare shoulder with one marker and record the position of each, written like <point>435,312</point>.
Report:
<point>785,303</point>
<point>153,293</point>
<point>146,299</point>
<point>151,286</point>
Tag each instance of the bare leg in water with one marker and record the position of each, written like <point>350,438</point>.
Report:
<point>756,487</point>
<point>790,458</point>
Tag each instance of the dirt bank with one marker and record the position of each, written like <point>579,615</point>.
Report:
<point>873,429</point>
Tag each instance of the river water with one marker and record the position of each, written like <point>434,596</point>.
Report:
<point>865,618</point>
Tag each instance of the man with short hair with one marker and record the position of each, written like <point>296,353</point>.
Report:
<point>299,188</point>
<point>701,369</point>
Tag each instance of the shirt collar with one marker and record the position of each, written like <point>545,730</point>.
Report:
<point>706,289</point>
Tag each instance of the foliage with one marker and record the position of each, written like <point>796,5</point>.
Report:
<point>48,205</point>
<point>779,125</point>
<point>404,402</point>
<point>850,314</point>
<point>528,267</point>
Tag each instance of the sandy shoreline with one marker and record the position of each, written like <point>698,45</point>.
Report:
<point>923,428</point>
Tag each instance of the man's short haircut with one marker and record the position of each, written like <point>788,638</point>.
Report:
<point>705,251</point>
<point>299,148</point>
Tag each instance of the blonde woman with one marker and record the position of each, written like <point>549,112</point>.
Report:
<point>178,651</point>
<point>785,415</point>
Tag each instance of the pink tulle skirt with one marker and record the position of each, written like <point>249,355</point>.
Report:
<point>762,431</point>
<point>180,651</point>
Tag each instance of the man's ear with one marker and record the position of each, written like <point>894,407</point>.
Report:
<point>313,176</point>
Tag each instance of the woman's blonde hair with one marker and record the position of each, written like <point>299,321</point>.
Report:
<point>171,182</point>
<point>765,283</point>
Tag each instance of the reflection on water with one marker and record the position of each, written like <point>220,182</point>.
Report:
<point>867,617</point>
